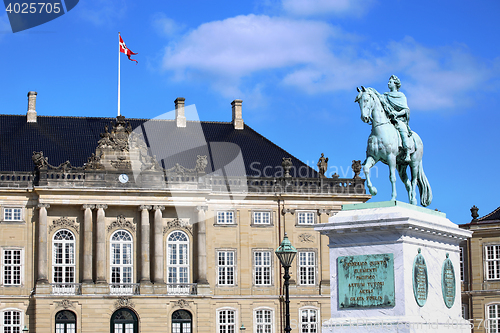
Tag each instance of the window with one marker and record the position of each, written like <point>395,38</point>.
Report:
<point>63,262</point>
<point>493,262</point>
<point>493,313</point>
<point>181,321</point>
<point>305,218</point>
<point>178,263</point>
<point>225,271</point>
<point>65,322</point>
<point>12,321</point>
<point>225,217</point>
<point>308,321</point>
<point>226,321</point>
<point>121,262</point>
<point>262,218</point>
<point>12,266</point>
<point>462,256</point>
<point>262,266</point>
<point>465,311</point>
<point>307,268</point>
<point>263,321</point>
<point>12,214</point>
<point>124,321</point>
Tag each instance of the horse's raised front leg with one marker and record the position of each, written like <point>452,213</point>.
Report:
<point>392,174</point>
<point>367,165</point>
<point>404,178</point>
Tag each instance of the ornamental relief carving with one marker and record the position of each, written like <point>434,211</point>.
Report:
<point>64,222</point>
<point>122,222</point>
<point>306,238</point>
<point>65,304</point>
<point>181,304</point>
<point>178,224</point>
<point>124,302</point>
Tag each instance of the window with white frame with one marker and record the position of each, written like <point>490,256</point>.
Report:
<point>493,313</point>
<point>307,268</point>
<point>12,267</point>
<point>12,321</point>
<point>305,218</point>
<point>263,319</point>
<point>12,214</point>
<point>121,259</point>
<point>262,268</point>
<point>262,218</point>
<point>226,321</point>
<point>225,267</point>
<point>492,262</point>
<point>63,259</point>
<point>309,321</point>
<point>178,258</point>
<point>462,267</point>
<point>225,217</point>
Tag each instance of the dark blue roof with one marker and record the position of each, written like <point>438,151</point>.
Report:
<point>75,139</point>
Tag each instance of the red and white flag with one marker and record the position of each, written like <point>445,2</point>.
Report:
<point>124,49</point>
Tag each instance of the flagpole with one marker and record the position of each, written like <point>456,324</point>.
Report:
<point>118,74</point>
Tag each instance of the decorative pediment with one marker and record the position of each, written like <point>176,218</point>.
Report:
<point>178,224</point>
<point>181,304</point>
<point>64,222</point>
<point>124,302</point>
<point>122,222</point>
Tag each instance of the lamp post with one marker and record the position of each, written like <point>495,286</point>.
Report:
<point>286,253</point>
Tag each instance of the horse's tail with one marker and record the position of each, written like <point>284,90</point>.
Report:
<point>424,187</point>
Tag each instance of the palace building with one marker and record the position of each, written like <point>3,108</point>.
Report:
<point>137,225</point>
<point>480,272</point>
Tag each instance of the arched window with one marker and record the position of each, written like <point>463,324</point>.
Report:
<point>12,321</point>
<point>263,320</point>
<point>65,322</point>
<point>124,321</point>
<point>178,263</point>
<point>121,262</point>
<point>181,322</point>
<point>309,321</point>
<point>63,262</point>
<point>226,320</point>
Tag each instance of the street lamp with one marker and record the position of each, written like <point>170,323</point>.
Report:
<point>286,252</point>
<point>25,329</point>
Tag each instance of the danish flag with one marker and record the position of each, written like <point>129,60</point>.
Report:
<point>124,49</point>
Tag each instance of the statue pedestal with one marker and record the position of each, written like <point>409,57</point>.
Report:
<point>394,267</point>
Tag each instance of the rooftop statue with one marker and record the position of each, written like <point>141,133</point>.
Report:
<point>392,141</point>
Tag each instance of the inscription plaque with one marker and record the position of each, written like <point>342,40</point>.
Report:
<point>420,279</point>
<point>366,281</point>
<point>448,285</point>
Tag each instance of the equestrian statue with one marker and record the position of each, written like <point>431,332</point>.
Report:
<point>392,141</point>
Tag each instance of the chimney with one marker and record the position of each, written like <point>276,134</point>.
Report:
<point>180,117</point>
<point>237,117</point>
<point>31,115</point>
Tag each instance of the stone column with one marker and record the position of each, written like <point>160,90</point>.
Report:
<point>88,243</point>
<point>101,244</point>
<point>145,234</point>
<point>202,246</point>
<point>42,243</point>
<point>158,263</point>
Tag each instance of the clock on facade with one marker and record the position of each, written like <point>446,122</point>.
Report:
<point>123,178</point>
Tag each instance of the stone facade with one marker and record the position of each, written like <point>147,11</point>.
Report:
<point>107,246</point>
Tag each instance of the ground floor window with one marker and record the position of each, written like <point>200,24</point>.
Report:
<point>493,313</point>
<point>12,321</point>
<point>65,322</point>
<point>124,321</point>
<point>181,322</point>
<point>308,321</point>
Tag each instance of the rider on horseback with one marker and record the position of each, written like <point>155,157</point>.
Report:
<point>395,105</point>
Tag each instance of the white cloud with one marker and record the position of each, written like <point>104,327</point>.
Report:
<point>165,25</point>
<point>246,53</point>
<point>325,7</point>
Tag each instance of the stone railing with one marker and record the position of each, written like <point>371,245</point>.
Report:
<point>66,288</point>
<point>159,180</point>
<point>181,288</point>
<point>124,289</point>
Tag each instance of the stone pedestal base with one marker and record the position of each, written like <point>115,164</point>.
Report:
<point>203,289</point>
<point>43,288</point>
<point>376,277</point>
<point>160,288</point>
<point>146,288</point>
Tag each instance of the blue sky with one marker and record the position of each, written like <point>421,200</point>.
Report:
<point>295,64</point>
